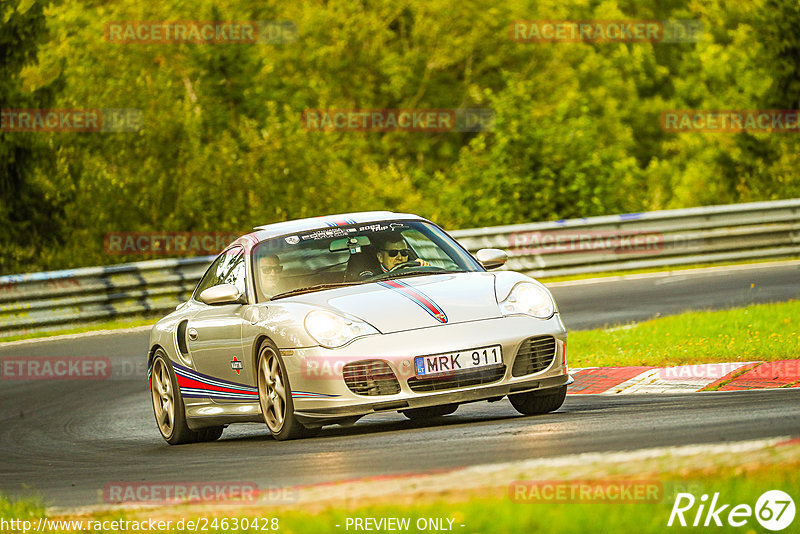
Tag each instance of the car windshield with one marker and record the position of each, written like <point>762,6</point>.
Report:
<point>354,254</point>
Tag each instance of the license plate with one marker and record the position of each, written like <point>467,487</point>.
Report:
<point>453,362</point>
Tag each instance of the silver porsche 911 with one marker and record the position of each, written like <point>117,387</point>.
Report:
<point>325,320</point>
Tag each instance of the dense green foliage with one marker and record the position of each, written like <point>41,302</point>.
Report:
<point>222,146</point>
<point>27,202</point>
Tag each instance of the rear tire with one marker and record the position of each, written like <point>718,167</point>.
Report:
<point>429,412</point>
<point>168,407</point>
<point>275,396</point>
<point>535,403</point>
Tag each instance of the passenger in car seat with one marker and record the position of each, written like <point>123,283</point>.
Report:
<point>270,268</point>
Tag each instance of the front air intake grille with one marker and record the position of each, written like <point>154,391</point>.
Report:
<point>534,355</point>
<point>370,378</point>
<point>459,379</point>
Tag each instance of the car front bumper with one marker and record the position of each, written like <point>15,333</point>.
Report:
<point>320,393</point>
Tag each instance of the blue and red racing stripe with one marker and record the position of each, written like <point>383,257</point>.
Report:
<point>417,297</point>
<point>197,385</point>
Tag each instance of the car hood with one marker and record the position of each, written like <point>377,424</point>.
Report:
<point>413,302</point>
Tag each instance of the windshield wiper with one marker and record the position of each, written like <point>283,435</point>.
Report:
<point>311,289</point>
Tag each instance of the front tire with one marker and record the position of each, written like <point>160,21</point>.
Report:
<point>535,403</point>
<point>168,405</point>
<point>275,396</point>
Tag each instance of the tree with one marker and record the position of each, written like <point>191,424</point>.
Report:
<point>27,212</point>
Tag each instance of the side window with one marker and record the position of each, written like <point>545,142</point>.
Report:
<point>221,269</point>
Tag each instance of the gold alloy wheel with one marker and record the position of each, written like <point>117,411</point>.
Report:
<point>163,397</point>
<point>271,389</point>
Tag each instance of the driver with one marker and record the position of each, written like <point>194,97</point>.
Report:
<point>395,252</point>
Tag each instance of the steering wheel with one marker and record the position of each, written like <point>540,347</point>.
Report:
<point>409,264</point>
<point>405,265</point>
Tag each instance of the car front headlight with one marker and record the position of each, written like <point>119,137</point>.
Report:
<point>332,330</point>
<point>529,299</point>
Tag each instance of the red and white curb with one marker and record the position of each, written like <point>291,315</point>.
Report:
<point>686,378</point>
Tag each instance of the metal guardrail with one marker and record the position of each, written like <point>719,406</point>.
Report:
<point>645,240</point>
<point>50,300</point>
<point>47,301</point>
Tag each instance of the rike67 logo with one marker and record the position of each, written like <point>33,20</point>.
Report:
<point>774,510</point>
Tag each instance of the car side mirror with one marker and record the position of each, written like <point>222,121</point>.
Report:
<point>491,258</point>
<point>222,294</point>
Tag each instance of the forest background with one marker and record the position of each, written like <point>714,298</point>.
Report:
<point>222,146</point>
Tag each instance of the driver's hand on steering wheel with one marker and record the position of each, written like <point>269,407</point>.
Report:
<point>412,263</point>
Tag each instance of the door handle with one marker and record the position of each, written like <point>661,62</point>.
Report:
<point>192,334</point>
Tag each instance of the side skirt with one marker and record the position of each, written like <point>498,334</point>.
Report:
<point>205,415</point>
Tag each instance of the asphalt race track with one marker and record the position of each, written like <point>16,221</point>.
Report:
<point>646,296</point>
<point>66,440</point>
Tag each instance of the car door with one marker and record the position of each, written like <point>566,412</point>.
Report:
<point>215,335</point>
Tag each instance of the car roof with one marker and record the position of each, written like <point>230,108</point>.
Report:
<point>328,221</point>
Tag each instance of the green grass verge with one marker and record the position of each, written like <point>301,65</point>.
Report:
<point>762,332</point>
<point>504,515</point>
<point>497,512</point>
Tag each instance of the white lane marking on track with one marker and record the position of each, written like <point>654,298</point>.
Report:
<point>671,280</point>
<point>488,475</point>
<point>678,379</point>
<point>634,455</point>
<point>79,335</point>
<point>681,272</point>
<point>682,378</point>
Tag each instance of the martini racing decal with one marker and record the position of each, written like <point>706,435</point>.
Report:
<point>340,222</point>
<point>417,297</point>
<point>237,365</point>
<point>197,385</point>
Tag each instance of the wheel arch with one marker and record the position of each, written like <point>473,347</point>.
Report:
<point>152,352</point>
<point>260,339</point>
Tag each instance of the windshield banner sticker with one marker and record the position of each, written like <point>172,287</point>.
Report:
<point>327,234</point>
